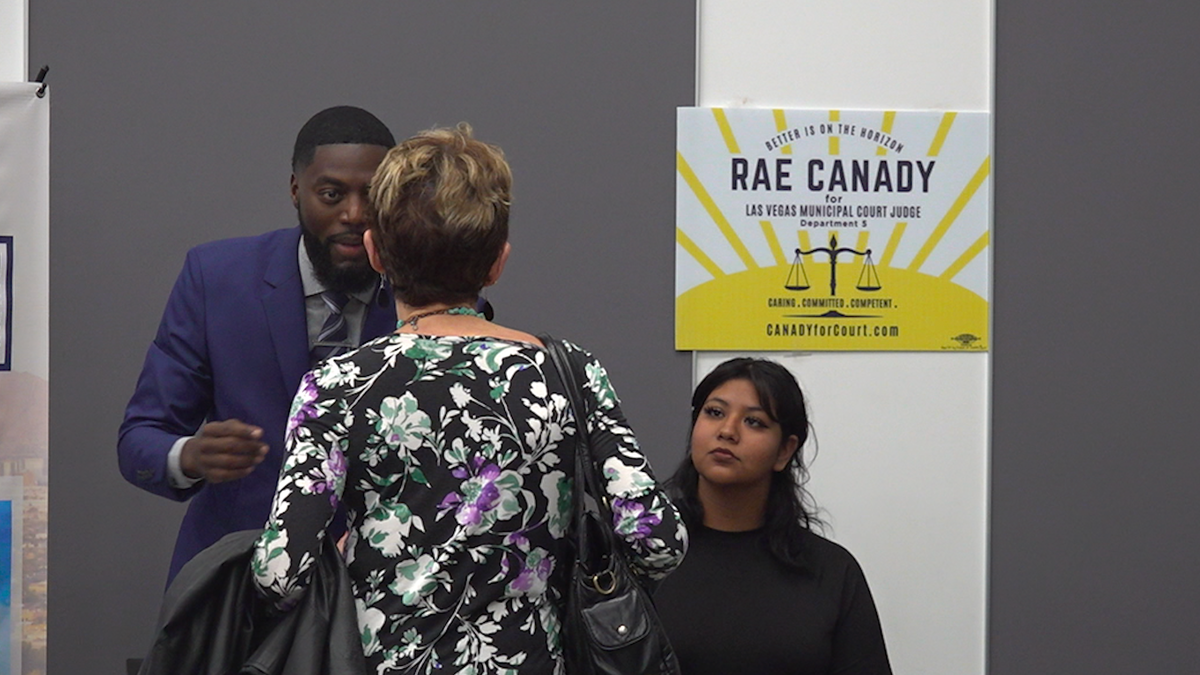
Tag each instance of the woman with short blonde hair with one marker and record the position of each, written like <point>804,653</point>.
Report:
<point>451,444</point>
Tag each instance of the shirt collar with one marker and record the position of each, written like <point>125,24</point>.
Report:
<point>313,286</point>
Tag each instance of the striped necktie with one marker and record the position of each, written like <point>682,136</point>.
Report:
<point>331,341</point>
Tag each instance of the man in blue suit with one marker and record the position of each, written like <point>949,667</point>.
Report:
<point>246,319</point>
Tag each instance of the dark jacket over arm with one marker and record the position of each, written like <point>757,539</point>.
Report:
<point>213,622</point>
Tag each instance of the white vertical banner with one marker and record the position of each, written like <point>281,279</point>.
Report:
<point>24,374</point>
<point>903,467</point>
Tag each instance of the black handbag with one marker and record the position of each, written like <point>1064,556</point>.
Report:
<point>610,626</point>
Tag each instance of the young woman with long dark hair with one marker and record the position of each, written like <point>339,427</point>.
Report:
<point>759,591</point>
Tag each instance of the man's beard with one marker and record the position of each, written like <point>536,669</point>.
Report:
<point>346,279</point>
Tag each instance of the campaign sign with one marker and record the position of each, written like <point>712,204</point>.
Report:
<point>856,230</point>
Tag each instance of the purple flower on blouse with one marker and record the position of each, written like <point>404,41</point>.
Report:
<point>450,501</point>
<point>304,405</point>
<point>325,477</point>
<point>535,570</point>
<point>480,495</point>
<point>630,518</point>
<point>334,468</point>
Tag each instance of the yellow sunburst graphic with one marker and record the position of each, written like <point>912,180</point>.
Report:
<point>884,277</point>
<point>911,316</point>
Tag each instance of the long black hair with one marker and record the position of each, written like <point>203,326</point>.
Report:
<point>791,512</point>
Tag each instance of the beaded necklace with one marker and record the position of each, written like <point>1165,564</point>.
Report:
<point>413,319</point>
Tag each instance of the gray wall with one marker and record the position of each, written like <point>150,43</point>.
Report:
<point>1095,559</point>
<point>172,124</point>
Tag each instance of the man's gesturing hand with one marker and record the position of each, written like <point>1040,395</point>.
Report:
<point>223,451</point>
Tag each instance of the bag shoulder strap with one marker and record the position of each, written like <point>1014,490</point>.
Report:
<point>587,473</point>
<point>568,373</point>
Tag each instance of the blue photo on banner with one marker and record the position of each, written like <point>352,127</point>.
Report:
<point>6,584</point>
<point>6,248</point>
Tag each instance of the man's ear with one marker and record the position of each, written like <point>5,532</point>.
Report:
<point>294,188</point>
<point>786,450</point>
<point>372,252</point>
<point>498,266</point>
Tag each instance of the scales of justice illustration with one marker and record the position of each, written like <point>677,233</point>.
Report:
<point>868,278</point>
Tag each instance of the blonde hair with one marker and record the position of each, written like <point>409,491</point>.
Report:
<point>440,203</point>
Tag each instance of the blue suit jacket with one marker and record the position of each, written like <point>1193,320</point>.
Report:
<point>233,343</point>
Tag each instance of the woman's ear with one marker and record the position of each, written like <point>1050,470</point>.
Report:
<point>498,266</point>
<point>372,252</point>
<point>294,190</point>
<point>786,450</point>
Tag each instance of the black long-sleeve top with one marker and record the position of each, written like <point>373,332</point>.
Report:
<point>732,608</point>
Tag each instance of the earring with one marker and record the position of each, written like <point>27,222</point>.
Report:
<point>484,307</point>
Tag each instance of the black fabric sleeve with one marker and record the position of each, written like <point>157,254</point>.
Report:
<point>858,646</point>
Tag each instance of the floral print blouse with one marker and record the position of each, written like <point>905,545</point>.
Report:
<point>454,459</point>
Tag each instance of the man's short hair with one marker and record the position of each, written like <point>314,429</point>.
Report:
<point>340,124</point>
<point>440,203</point>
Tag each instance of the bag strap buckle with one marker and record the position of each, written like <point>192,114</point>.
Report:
<point>605,582</point>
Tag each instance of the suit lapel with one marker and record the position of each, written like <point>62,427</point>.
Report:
<point>283,303</point>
